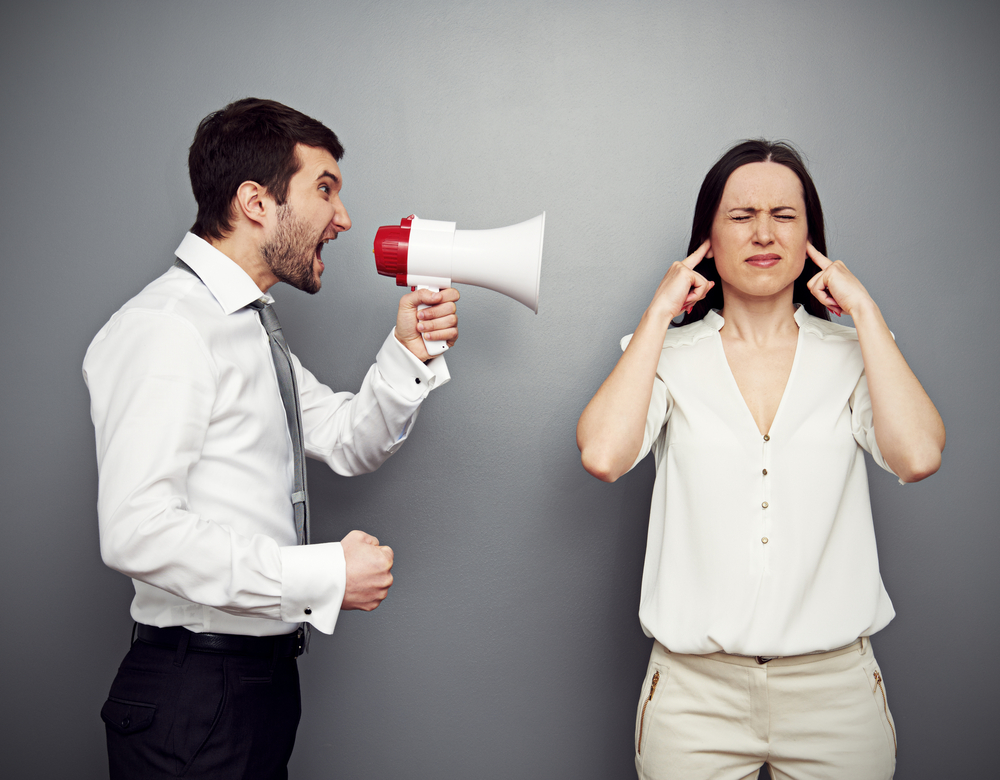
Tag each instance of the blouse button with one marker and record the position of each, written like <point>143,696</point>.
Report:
<point>308,610</point>
<point>764,472</point>
<point>763,540</point>
<point>764,504</point>
<point>767,437</point>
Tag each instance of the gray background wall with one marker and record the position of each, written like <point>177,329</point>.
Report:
<point>509,645</point>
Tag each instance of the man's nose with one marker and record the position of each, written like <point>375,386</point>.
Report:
<point>341,219</point>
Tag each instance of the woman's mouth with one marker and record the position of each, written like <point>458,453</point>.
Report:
<point>764,261</point>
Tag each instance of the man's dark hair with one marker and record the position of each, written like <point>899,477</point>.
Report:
<point>248,140</point>
<point>757,150</point>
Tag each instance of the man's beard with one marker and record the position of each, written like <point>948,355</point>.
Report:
<point>291,251</point>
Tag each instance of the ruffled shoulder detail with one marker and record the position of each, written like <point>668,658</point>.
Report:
<point>686,335</point>
<point>824,329</point>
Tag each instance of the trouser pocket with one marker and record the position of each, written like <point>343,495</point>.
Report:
<point>655,677</point>
<point>882,703</point>
<point>127,717</point>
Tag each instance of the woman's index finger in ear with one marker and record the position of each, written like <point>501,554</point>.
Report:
<point>698,254</point>
<point>818,257</point>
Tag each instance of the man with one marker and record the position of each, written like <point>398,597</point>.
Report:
<point>202,495</point>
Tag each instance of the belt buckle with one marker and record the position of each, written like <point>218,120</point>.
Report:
<point>763,659</point>
<point>300,641</point>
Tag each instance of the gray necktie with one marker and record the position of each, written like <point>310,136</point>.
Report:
<point>289,390</point>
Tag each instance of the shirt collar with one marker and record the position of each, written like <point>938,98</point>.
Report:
<point>231,286</point>
<point>713,319</point>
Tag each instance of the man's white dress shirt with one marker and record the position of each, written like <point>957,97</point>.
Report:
<point>195,457</point>
<point>761,545</point>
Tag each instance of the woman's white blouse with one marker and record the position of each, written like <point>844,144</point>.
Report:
<point>761,545</point>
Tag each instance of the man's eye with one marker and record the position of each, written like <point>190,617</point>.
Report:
<point>325,188</point>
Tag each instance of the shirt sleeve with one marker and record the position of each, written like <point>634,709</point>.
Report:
<point>660,405</point>
<point>356,433</point>
<point>153,386</point>
<point>862,423</point>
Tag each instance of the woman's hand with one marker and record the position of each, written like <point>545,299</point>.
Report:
<point>834,286</point>
<point>908,428</point>
<point>611,428</point>
<point>682,287</point>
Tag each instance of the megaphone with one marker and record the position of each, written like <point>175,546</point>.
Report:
<point>429,254</point>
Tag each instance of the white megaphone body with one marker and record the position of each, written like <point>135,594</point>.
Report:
<point>426,253</point>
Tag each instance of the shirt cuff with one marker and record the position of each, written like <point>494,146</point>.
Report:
<point>313,580</point>
<point>407,374</point>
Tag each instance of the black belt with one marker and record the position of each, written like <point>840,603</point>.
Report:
<point>280,646</point>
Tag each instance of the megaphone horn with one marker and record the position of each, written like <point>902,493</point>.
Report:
<point>432,254</point>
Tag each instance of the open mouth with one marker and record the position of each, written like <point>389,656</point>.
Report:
<point>319,252</point>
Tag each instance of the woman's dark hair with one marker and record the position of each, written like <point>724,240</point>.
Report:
<point>248,140</point>
<point>757,150</point>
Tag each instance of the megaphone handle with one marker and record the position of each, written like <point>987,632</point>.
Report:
<point>434,348</point>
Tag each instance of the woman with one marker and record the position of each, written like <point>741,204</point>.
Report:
<point>761,583</point>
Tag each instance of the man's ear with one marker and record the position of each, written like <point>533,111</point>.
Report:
<point>253,202</point>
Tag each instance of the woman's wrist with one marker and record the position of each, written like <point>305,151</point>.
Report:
<point>866,312</point>
<point>659,315</point>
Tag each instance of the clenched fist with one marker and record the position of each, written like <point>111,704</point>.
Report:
<point>369,571</point>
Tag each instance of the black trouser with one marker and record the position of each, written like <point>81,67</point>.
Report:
<point>179,712</point>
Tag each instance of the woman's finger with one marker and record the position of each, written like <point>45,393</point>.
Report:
<point>698,254</point>
<point>698,291</point>
<point>818,257</point>
<point>818,287</point>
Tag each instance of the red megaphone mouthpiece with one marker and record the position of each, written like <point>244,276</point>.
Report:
<point>391,248</point>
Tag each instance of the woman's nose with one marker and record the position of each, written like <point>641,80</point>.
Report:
<point>763,233</point>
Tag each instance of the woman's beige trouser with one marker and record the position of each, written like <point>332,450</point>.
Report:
<point>810,717</point>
